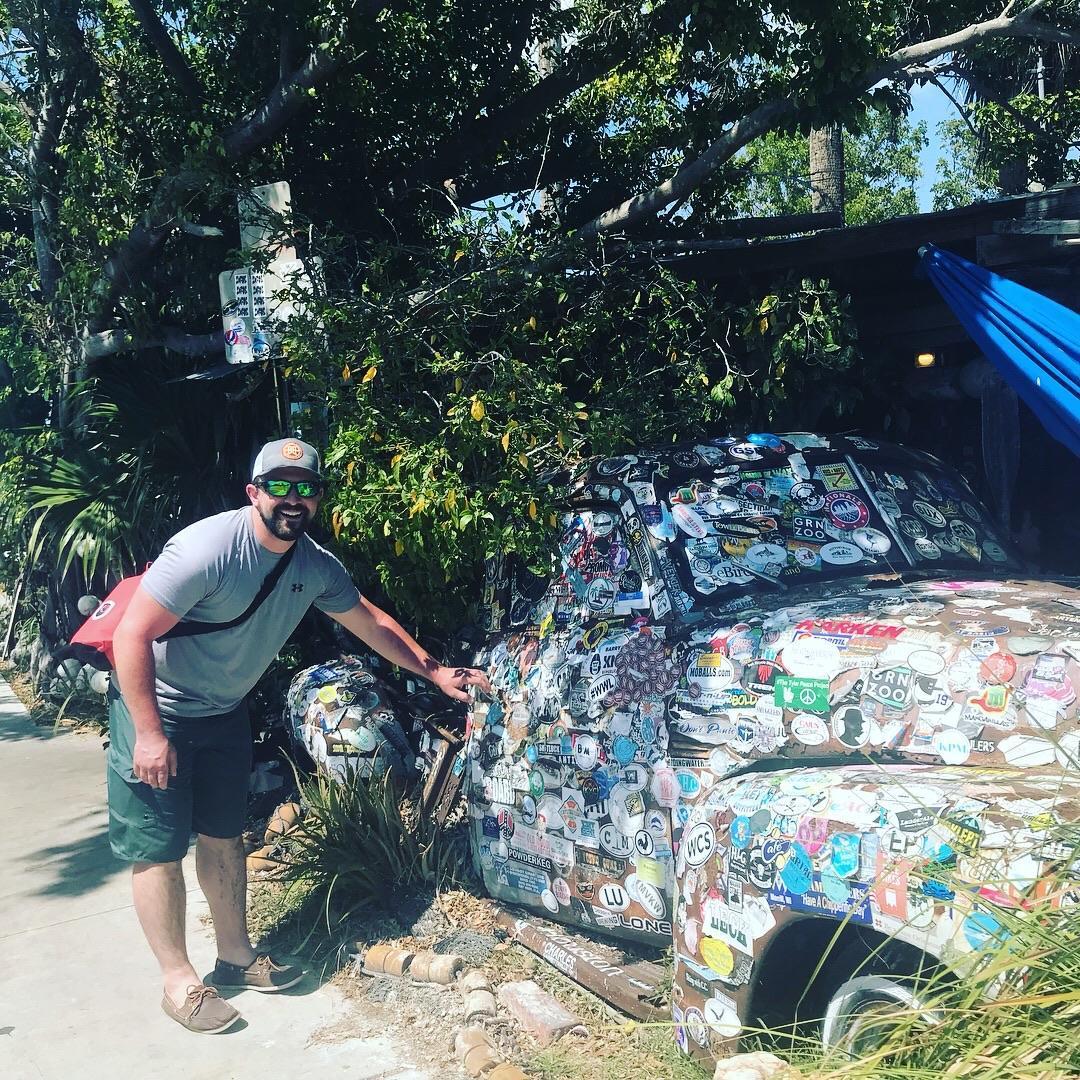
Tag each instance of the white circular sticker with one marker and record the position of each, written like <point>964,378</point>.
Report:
<point>811,657</point>
<point>722,1018</point>
<point>926,662</point>
<point>547,898</point>
<point>841,554</point>
<point>613,896</point>
<point>872,541</point>
<point>952,746</point>
<point>644,844</point>
<point>711,670</point>
<point>768,558</point>
<point>809,730</point>
<point>614,842</point>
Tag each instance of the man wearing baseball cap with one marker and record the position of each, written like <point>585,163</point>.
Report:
<point>180,748</point>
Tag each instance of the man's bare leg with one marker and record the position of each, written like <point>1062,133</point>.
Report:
<point>161,904</point>
<point>222,870</point>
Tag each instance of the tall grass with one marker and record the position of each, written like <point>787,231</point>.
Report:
<point>1014,1015</point>
<point>359,844</point>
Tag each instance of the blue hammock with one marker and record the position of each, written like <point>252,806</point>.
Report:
<point>1032,340</point>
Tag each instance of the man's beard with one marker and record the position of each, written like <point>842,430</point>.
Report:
<point>282,527</point>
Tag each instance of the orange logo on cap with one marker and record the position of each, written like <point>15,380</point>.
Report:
<point>292,451</point>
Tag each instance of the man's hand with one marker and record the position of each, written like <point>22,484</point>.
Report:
<point>154,760</point>
<point>453,681</point>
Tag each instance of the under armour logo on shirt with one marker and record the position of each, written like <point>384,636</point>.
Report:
<point>298,586</point>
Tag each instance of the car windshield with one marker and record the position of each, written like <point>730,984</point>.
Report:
<point>771,511</point>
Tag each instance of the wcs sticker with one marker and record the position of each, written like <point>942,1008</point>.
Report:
<point>699,844</point>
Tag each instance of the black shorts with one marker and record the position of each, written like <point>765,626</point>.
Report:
<point>208,795</point>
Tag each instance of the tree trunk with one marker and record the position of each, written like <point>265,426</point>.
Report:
<point>827,170</point>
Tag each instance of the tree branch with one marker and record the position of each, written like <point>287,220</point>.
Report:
<point>170,55</point>
<point>898,65</point>
<point>247,135</point>
<point>483,135</point>
<point>111,342</point>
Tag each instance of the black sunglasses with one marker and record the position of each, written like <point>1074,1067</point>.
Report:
<point>306,489</point>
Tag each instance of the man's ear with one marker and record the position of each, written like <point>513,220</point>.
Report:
<point>252,493</point>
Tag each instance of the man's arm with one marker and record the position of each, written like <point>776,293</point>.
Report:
<point>154,758</point>
<point>389,639</point>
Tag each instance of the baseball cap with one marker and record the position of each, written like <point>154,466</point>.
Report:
<point>286,454</point>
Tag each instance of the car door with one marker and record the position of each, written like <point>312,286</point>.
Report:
<point>570,791</point>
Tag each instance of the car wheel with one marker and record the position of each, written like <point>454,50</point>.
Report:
<point>864,1010</point>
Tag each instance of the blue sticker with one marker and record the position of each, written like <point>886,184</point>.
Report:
<point>624,749</point>
<point>937,890</point>
<point>833,886</point>
<point>494,713</point>
<point>853,907</point>
<point>689,782</point>
<point>797,873</point>
<point>844,853</point>
<point>981,928</point>
<point>530,881</point>
<point>530,754</point>
<point>741,833</point>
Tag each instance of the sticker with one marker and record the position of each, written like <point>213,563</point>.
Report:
<point>926,662</point>
<point>689,520</point>
<point>718,955</point>
<point>613,896</point>
<point>740,832</point>
<point>695,1025</point>
<point>811,657</point>
<point>648,896</point>
<point>809,730</point>
<point>840,554</point>
<point>766,558</point>
<point>928,513</point>
<point>562,891</point>
<point>711,671</point>
<point>846,511</point>
<point>872,541</point>
<point>844,853</point>
<point>698,844</point>
<point>615,842</point>
<point>644,844</point>
<point>981,928</point>
<point>791,692</point>
<point>549,900</point>
<point>851,727</point>
<point>797,873</point>
<point>722,1018</point>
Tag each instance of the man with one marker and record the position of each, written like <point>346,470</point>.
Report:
<point>180,749</point>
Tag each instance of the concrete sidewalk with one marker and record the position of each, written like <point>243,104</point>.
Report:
<point>79,990</point>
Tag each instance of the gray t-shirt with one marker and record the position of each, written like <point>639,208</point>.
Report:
<point>210,572</point>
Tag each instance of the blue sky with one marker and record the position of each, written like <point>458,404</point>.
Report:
<point>929,104</point>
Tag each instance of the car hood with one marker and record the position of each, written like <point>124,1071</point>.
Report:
<point>957,672</point>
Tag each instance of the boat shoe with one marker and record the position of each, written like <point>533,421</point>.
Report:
<point>204,1011</point>
<point>262,974</point>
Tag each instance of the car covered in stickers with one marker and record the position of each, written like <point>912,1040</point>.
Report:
<point>779,698</point>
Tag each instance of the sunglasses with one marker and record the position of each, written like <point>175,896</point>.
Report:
<point>306,489</point>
